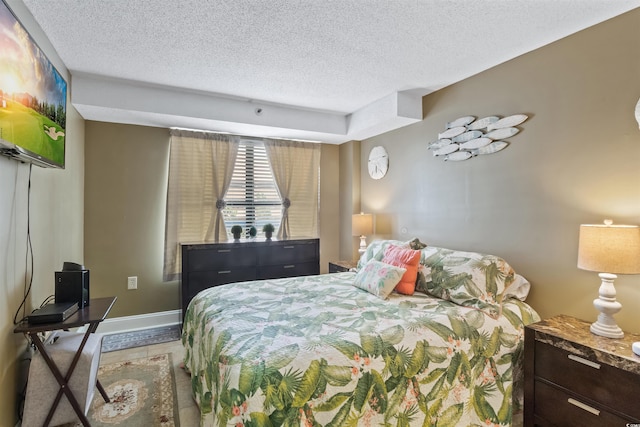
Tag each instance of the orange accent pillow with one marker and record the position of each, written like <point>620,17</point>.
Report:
<point>407,259</point>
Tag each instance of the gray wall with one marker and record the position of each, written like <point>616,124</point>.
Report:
<point>576,160</point>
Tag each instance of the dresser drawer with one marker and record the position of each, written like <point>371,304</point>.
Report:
<point>569,410</point>
<point>288,253</point>
<point>200,280</point>
<point>289,270</point>
<point>211,264</point>
<point>610,386</point>
<point>222,257</point>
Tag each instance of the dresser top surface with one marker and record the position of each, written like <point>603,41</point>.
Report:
<point>573,335</point>
<point>261,241</point>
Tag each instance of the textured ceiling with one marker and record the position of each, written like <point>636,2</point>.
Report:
<point>331,56</point>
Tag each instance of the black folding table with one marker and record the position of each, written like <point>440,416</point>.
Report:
<point>91,315</point>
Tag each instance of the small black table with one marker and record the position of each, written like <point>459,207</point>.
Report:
<point>91,315</point>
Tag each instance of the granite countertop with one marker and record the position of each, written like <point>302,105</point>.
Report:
<point>346,264</point>
<point>573,335</point>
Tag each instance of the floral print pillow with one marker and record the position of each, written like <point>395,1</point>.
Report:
<point>376,249</point>
<point>378,278</point>
<point>466,278</point>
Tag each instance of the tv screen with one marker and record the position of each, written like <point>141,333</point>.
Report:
<point>33,98</point>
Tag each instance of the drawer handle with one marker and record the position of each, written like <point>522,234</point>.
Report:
<point>290,266</point>
<point>224,272</point>
<point>581,405</point>
<point>584,361</point>
<point>224,250</point>
<point>289,247</point>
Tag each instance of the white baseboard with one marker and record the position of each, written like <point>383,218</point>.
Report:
<point>140,321</point>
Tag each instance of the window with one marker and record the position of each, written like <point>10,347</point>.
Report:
<point>206,169</point>
<point>252,198</point>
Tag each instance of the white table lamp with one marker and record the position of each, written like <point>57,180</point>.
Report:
<point>361,225</point>
<point>609,249</point>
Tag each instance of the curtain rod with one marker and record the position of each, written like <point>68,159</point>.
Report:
<point>246,136</point>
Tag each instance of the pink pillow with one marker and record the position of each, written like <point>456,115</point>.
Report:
<point>407,259</point>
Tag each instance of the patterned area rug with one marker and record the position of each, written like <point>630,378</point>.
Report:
<point>140,338</point>
<point>142,393</point>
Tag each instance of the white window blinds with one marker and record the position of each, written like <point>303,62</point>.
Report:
<point>252,198</point>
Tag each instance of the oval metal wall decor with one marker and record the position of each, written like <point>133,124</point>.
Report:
<point>447,149</point>
<point>476,143</point>
<point>482,123</point>
<point>494,147</point>
<point>502,133</point>
<point>462,121</point>
<point>439,143</point>
<point>458,156</point>
<point>466,137</point>
<point>510,121</point>
<point>451,132</point>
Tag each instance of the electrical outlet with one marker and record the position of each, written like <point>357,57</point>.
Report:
<point>132,282</point>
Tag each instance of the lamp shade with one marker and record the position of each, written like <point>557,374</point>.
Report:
<point>361,224</point>
<point>609,248</point>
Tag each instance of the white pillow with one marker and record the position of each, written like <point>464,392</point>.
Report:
<point>519,288</point>
<point>378,278</point>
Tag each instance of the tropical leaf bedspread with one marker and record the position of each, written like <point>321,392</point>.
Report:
<point>317,351</point>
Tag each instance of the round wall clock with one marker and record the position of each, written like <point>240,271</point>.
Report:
<point>378,162</point>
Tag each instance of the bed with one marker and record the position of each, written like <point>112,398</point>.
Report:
<point>330,350</point>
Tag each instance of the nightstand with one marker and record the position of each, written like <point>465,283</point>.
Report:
<point>341,266</point>
<point>575,378</point>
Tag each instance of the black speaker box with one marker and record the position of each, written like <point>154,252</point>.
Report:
<point>73,286</point>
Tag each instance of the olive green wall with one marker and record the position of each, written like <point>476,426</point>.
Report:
<point>576,160</point>
<point>349,197</point>
<point>330,176</point>
<point>125,193</point>
<point>56,215</point>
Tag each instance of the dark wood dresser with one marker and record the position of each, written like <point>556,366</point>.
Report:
<point>211,264</point>
<point>576,378</point>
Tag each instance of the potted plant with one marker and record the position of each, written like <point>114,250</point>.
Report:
<point>236,230</point>
<point>268,230</point>
<point>253,232</point>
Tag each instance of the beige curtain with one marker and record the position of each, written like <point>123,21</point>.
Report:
<point>296,170</point>
<point>200,169</point>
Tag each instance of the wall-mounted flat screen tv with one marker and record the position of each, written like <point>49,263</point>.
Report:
<point>33,98</point>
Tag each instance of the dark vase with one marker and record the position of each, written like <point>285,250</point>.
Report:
<point>268,234</point>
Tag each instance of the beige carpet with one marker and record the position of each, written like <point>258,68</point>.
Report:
<point>142,393</point>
